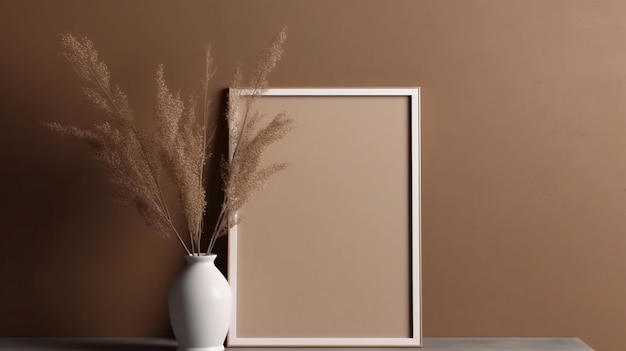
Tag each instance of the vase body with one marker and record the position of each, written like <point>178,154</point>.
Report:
<point>200,303</point>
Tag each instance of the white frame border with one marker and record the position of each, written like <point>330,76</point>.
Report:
<point>416,340</point>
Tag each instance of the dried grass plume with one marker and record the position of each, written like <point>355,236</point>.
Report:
<point>179,149</point>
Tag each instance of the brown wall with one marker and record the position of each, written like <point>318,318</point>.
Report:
<point>523,153</point>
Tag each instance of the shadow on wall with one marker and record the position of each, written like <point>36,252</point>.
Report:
<point>72,261</point>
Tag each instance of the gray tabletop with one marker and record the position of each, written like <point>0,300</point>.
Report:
<point>162,344</point>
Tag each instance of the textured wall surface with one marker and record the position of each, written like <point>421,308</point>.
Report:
<point>524,164</point>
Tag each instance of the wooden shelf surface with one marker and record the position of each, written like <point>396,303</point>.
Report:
<point>162,344</point>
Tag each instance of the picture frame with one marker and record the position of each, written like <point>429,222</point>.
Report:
<point>328,254</point>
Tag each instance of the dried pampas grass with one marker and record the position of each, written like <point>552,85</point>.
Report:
<point>179,149</point>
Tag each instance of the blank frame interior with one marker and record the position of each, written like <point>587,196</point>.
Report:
<point>328,253</point>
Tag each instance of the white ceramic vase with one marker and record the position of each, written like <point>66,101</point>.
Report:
<point>200,303</point>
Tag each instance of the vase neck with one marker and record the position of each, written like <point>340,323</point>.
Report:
<point>203,258</point>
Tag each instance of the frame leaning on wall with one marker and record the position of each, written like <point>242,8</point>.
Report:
<point>329,253</point>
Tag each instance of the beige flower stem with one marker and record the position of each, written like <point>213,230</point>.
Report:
<point>220,220</point>
<point>253,97</point>
<point>218,226</point>
<point>209,72</point>
<point>168,221</point>
<point>206,144</point>
<point>163,206</point>
<point>193,251</point>
<point>171,225</point>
